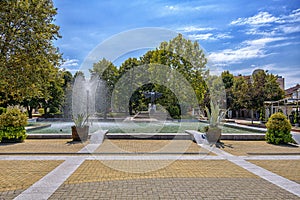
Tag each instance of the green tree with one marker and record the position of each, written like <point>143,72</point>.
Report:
<point>264,88</point>
<point>127,70</point>
<point>107,72</point>
<point>228,80</point>
<point>241,93</point>
<point>28,58</point>
<point>188,59</point>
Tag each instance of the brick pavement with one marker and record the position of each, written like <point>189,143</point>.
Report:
<point>150,146</point>
<point>42,146</point>
<point>174,188</point>
<point>16,175</point>
<point>289,169</point>
<point>158,176</point>
<point>243,148</point>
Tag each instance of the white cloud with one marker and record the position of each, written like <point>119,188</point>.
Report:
<point>189,29</point>
<point>209,36</point>
<point>248,50</point>
<point>70,63</point>
<point>261,18</point>
<point>172,8</point>
<point>205,36</point>
<point>223,36</point>
<point>290,29</point>
<point>263,41</point>
<point>260,23</point>
<point>293,17</point>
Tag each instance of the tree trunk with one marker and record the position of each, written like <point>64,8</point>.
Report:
<point>29,110</point>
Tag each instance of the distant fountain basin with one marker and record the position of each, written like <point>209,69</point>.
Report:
<point>141,127</point>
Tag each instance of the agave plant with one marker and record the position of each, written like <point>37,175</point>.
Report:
<point>214,117</point>
<point>81,120</point>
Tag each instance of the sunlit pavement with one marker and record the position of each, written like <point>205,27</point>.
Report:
<point>123,169</point>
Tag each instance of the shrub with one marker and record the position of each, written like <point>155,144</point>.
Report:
<point>41,111</point>
<point>2,110</point>
<point>12,124</point>
<point>278,129</point>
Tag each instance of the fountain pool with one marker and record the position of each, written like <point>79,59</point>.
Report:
<point>140,127</point>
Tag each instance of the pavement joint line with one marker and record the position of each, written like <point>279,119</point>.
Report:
<point>117,157</point>
<point>147,157</point>
<point>277,180</point>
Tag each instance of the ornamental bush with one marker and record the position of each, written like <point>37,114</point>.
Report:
<point>12,125</point>
<point>278,129</point>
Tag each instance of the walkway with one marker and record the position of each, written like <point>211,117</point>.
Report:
<point>152,169</point>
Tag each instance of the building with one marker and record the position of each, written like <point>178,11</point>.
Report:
<point>293,92</point>
<point>289,105</point>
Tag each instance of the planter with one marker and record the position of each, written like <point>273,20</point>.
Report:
<point>80,133</point>
<point>213,135</point>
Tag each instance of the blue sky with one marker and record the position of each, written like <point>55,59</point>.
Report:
<point>239,36</point>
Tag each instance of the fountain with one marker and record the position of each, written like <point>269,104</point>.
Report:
<point>84,95</point>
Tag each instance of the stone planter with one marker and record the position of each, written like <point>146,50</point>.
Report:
<point>80,133</point>
<point>213,135</point>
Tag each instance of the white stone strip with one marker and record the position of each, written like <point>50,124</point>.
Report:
<point>156,157</point>
<point>280,181</point>
<point>32,157</point>
<point>117,157</point>
<point>47,185</point>
<point>95,141</point>
<point>147,157</point>
<point>273,157</point>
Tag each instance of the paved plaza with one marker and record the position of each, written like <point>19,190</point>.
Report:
<point>148,169</point>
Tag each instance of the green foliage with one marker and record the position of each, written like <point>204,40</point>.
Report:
<point>13,117</point>
<point>278,129</point>
<point>215,114</point>
<point>28,58</point>
<point>12,124</point>
<point>41,111</point>
<point>174,111</point>
<point>2,110</point>
<point>81,120</point>
<point>13,134</point>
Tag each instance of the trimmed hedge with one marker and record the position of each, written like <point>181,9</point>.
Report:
<point>278,129</point>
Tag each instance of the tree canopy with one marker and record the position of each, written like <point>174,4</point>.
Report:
<point>28,59</point>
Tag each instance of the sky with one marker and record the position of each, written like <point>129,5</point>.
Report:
<point>236,35</point>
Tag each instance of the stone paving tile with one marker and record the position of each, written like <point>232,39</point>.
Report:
<point>150,146</point>
<point>42,146</point>
<point>16,176</point>
<point>95,170</point>
<point>7,195</point>
<point>242,148</point>
<point>174,188</point>
<point>289,169</point>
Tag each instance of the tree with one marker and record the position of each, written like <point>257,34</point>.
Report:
<point>107,72</point>
<point>185,57</point>
<point>241,93</point>
<point>188,59</point>
<point>228,80</point>
<point>128,68</point>
<point>28,58</point>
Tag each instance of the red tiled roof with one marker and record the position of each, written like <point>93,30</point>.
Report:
<point>292,89</point>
